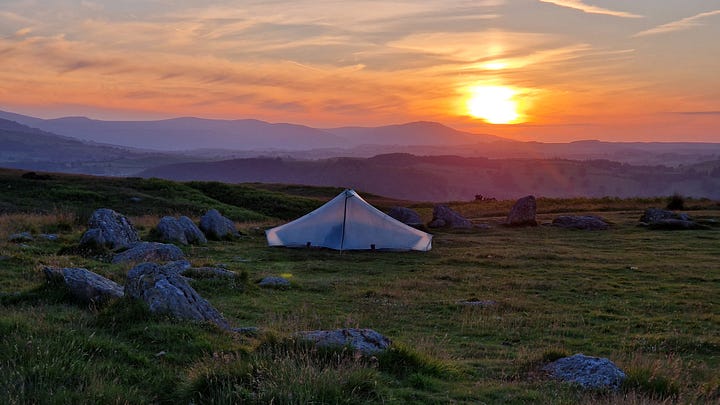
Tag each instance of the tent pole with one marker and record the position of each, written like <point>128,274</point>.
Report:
<point>342,238</point>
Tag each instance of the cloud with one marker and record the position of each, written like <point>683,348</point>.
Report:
<point>697,113</point>
<point>678,25</point>
<point>586,8</point>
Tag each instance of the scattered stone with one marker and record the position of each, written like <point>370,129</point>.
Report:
<point>109,229</point>
<point>135,199</point>
<point>49,236</point>
<point>182,231</point>
<point>193,234</point>
<point>589,372</point>
<point>478,303</point>
<point>208,272</point>
<point>406,215</point>
<point>149,252</point>
<point>366,341</point>
<point>585,222</point>
<point>167,292</point>
<point>216,226</point>
<point>655,214</point>
<point>523,212</point>
<point>161,353</point>
<point>21,237</point>
<point>444,216</point>
<point>274,282</point>
<point>85,285</point>
<point>170,231</point>
<point>633,268</point>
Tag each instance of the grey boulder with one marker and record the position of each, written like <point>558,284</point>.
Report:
<point>182,231</point>
<point>523,212</point>
<point>167,292</point>
<point>274,282</point>
<point>589,372</point>
<point>366,341</point>
<point>585,222</point>
<point>149,252</point>
<point>655,214</point>
<point>444,216</point>
<point>107,228</point>
<point>217,227</point>
<point>405,215</point>
<point>85,285</point>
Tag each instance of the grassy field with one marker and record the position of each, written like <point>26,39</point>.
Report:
<point>648,300</point>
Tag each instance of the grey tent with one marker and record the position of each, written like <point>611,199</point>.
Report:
<point>347,222</point>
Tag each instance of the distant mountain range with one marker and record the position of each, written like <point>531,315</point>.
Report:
<point>184,134</point>
<point>23,147</point>
<point>414,161</point>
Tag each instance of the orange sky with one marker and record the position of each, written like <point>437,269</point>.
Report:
<point>610,70</point>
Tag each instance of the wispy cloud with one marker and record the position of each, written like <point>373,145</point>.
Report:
<point>679,25</point>
<point>590,9</point>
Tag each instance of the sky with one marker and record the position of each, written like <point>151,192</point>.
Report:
<point>640,70</point>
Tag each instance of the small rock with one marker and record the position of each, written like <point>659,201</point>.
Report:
<point>216,226</point>
<point>135,199</point>
<point>161,353</point>
<point>274,282</point>
<point>366,341</point>
<point>165,291</point>
<point>182,231</point>
<point>49,236</point>
<point>523,212</point>
<point>585,222</point>
<point>85,285</point>
<point>21,237</point>
<point>444,216</point>
<point>149,252</point>
<point>406,215</point>
<point>478,303</point>
<point>589,372</point>
<point>107,228</point>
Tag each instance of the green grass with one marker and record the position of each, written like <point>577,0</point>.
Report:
<point>648,300</point>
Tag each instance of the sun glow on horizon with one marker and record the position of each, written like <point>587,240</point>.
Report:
<point>493,104</point>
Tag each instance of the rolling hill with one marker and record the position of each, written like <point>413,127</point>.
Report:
<point>444,178</point>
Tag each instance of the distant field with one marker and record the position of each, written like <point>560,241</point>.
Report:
<point>648,300</point>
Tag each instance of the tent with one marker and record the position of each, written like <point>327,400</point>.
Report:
<point>347,222</point>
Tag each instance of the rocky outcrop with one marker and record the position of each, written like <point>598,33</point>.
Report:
<point>523,212</point>
<point>585,222</point>
<point>217,227</point>
<point>366,341</point>
<point>167,292</point>
<point>85,285</point>
<point>406,215</point>
<point>182,231</point>
<point>149,252</point>
<point>655,218</point>
<point>108,229</point>
<point>655,214</point>
<point>274,282</point>
<point>445,217</point>
<point>589,372</point>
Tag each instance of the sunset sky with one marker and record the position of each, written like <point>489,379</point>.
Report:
<point>572,69</point>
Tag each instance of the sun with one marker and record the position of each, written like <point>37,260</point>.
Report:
<point>493,104</point>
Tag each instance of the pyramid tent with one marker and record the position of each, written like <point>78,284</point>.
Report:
<point>347,222</point>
